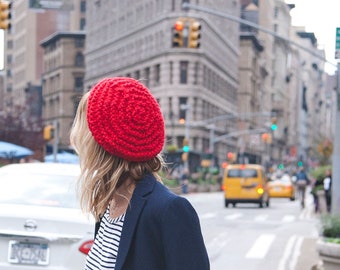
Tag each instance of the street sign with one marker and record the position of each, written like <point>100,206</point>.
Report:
<point>337,43</point>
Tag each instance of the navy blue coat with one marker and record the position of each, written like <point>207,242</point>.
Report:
<point>161,231</point>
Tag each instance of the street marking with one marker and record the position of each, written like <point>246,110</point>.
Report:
<point>233,216</point>
<point>288,249</point>
<point>260,218</point>
<point>208,215</point>
<point>288,218</point>
<point>261,246</point>
<point>296,253</point>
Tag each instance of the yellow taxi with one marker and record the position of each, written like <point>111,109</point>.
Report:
<point>245,183</point>
<point>282,186</point>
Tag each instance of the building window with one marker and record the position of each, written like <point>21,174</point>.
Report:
<point>147,76</point>
<point>182,111</point>
<point>157,74</point>
<point>275,28</point>
<point>9,59</point>
<point>276,12</point>
<point>83,6</point>
<point>9,88</point>
<point>79,61</point>
<point>82,23</point>
<point>10,44</point>
<point>137,75</point>
<point>171,74</point>
<point>78,84</point>
<point>184,72</point>
<point>196,73</point>
<point>79,43</point>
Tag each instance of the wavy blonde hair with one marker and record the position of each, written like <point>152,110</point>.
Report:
<point>101,172</point>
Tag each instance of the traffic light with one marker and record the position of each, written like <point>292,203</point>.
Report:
<point>266,138</point>
<point>177,34</point>
<point>5,14</point>
<point>194,35</point>
<point>274,123</point>
<point>48,132</point>
<point>186,145</point>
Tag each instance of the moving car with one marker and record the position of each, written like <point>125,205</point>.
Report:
<point>245,183</point>
<point>41,225</point>
<point>282,186</point>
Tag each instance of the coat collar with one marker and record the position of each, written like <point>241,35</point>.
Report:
<point>137,203</point>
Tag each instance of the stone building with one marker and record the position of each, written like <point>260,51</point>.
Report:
<point>193,84</point>
<point>62,82</point>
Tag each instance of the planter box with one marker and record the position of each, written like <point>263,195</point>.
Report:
<point>329,254</point>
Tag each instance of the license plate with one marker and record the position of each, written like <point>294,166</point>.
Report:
<point>277,188</point>
<point>28,253</point>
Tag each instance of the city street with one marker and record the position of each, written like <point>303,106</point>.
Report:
<point>250,238</point>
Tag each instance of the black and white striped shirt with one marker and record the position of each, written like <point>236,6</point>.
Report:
<point>103,253</point>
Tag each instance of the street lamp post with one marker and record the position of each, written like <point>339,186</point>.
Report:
<point>335,207</point>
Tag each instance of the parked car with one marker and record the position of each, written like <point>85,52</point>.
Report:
<point>245,183</point>
<point>41,224</point>
<point>282,186</point>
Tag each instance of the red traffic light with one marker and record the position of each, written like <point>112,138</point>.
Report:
<point>179,26</point>
<point>230,155</point>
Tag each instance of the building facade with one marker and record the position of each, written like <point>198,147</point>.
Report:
<point>62,82</point>
<point>134,39</point>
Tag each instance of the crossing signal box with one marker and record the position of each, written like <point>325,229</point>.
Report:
<point>48,132</point>
<point>274,123</point>
<point>194,35</point>
<point>177,35</point>
<point>5,15</point>
<point>186,148</point>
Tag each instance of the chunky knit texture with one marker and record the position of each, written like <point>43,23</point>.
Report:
<point>125,119</point>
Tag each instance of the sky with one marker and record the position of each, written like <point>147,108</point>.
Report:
<point>321,17</point>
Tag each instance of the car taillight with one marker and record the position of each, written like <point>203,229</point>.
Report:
<point>86,246</point>
<point>260,190</point>
<point>224,187</point>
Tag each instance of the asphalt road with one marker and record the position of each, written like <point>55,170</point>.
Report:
<point>247,237</point>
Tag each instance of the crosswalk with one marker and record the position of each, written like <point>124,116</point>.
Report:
<point>256,235</point>
<point>306,214</point>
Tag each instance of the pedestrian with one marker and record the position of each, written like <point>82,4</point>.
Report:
<point>118,133</point>
<point>301,182</point>
<point>317,184</point>
<point>327,186</point>
<point>185,181</point>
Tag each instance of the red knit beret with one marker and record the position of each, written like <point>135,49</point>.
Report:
<point>125,119</point>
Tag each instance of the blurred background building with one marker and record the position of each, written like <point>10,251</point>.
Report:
<point>229,92</point>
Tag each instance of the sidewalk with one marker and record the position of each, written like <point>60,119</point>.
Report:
<point>309,258</point>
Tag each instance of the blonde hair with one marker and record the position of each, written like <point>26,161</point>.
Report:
<point>101,172</point>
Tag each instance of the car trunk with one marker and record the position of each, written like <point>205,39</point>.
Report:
<point>35,235</point>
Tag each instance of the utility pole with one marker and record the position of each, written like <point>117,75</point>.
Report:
<point>335,207</point>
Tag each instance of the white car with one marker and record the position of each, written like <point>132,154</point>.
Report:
<point>41,224</point>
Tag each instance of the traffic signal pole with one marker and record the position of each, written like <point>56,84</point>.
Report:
<point>335,207</point>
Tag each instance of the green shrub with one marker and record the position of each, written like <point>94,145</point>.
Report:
<point>330,226</point>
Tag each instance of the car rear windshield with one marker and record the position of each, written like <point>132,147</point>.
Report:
<point>245,173</point>
<point>38,189</point>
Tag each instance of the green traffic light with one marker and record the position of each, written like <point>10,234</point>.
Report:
<point>274,127</point>
<point>186,148</point>
<point>300,164</point>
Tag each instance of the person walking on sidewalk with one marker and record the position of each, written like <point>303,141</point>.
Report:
<point>301,183</point>
<point>327,185</point>
<point>118,133</point>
